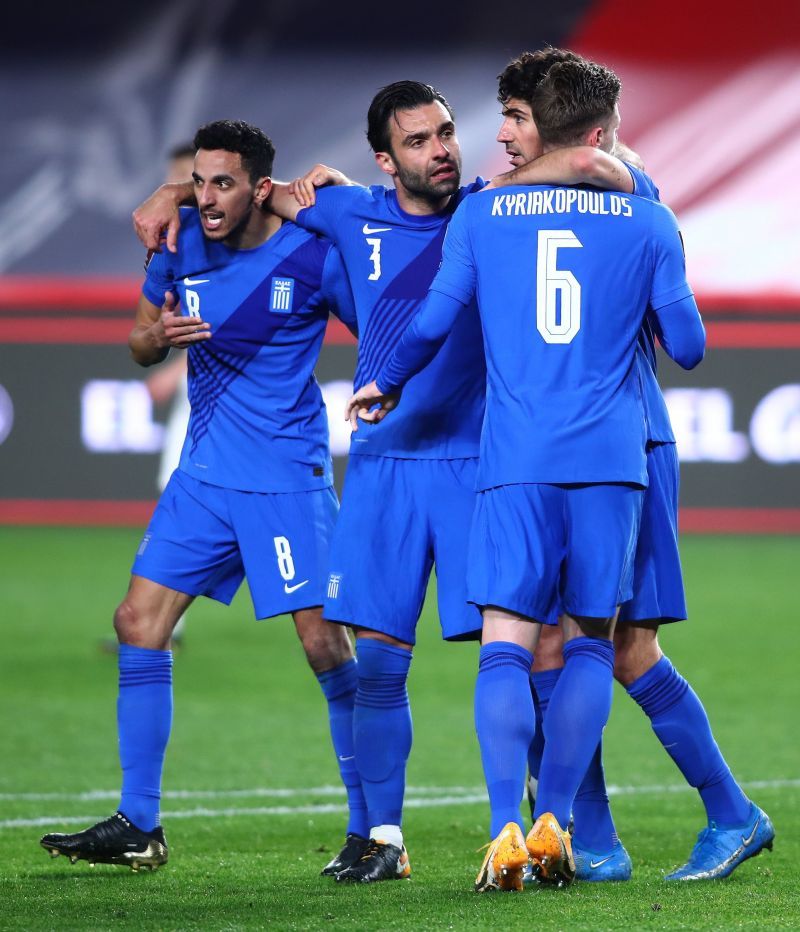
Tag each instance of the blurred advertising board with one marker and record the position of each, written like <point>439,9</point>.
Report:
<point>81,439</point>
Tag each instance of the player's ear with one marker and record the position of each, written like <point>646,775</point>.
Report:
<point>595,137</point>
<point>386,163</point>
<point>262,190</point>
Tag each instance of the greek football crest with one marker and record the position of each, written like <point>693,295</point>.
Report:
<point>333,585</point>
<point>282,295</point>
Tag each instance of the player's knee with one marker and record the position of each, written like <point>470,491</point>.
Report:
<point>137,627</point>
<point>549,653</point>
<point>326,645</point>
<point>636,651</point>
<point>126,623</point>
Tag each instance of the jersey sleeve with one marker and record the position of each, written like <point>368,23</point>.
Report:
<point>159,277</point>
<point>457,275</point>
<point>643,184</point>
<point>337,291</point>
<point>331,205</point>
<point>669,264</point>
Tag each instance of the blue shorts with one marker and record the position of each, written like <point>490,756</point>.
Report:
<point>203,539</point>
<point>398,518</point>
<point>536,549</point>
<point>657,577</point>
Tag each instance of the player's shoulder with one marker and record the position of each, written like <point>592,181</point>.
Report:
<point>643,184</point>
<point>662,217</point>
<point>307,247</point>
<point>349,195</point>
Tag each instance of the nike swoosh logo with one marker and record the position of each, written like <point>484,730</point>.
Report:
<point>752,835</point>
<point>351,757</point>
<point>367,229</point>
<point>290,589</point>
<point>595,864</point>
<point>198,281</point>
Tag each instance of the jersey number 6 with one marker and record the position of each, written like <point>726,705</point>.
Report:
<point>558,292</point>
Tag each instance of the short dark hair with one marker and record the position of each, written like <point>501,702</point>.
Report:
<point>252,144</point>
<point>521,76</point>
<point>402,95</point>
<point>572,98</point>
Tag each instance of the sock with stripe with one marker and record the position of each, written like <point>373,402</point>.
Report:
<point>577,713</point>
<point>594,825</point>
<point>542,685</point>
<point>339,688</point>
<point>504,722</point>
<point>382,728</point>
<point>681,725</point>
<point>144,720</point>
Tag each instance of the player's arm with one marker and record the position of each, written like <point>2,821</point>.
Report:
<point>421,341</point>
<point>156,329</point>
<point>158,216</point>
<point>572,165</point>
<point>673,309</point>
<point>680,331</point>
<point>304,188</point>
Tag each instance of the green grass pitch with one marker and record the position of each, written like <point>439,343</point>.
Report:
<point>252,809</point>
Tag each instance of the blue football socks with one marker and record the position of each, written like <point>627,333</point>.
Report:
<point>382,728</point>
<point>681,725</point>
<point>144,719</point>
<point>594,825</point>
<point>504,721</point>
<point>542,685</point>
<point>576,716</point>
<point>339,688</point>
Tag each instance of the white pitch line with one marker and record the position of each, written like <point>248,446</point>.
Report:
<point>254,793</point>
<point>201,812</point>
<point>457,796</point>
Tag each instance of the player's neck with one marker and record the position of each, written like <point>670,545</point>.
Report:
<point>259,228</point>
<point>420,205</point>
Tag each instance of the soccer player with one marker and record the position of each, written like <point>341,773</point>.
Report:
<point>563,278</point>
<point>253,492</point>
<point>676,713</point>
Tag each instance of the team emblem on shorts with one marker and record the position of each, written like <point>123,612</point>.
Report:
<point>282,293</point>
<point>333,585</point>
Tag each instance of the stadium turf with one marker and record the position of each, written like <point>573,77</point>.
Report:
<point>253,809</point>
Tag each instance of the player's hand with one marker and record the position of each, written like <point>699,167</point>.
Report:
<point>178,331</point>
<point>304,189</point>
<point>363,405</point>
<point>158,218</point>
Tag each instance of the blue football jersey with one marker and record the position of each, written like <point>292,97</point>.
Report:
<point>659,428</point>
<point>391,258</point>
<point>258,421</point>
<point>563,279</point>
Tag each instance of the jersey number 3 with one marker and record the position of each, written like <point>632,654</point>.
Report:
<point>375,258</point>
<point>558,292</point>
